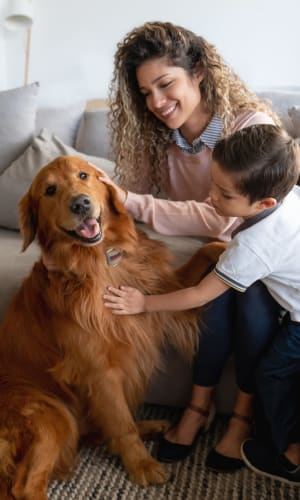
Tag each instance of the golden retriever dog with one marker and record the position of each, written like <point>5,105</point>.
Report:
<point>68,366</point>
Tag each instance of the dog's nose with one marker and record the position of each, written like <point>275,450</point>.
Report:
<point>80,205</point>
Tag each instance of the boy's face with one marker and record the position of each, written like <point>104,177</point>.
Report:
<point>226,199</point>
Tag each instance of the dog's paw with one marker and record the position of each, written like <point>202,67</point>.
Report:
<point>29,493</point>
<point>148,471</point>
<point>149,428</point>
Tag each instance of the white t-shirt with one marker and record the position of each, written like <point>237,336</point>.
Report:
<point>268,250</point>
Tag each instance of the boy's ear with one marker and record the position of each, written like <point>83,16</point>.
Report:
<point>267,203</point>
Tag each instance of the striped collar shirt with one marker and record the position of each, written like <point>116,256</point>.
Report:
<point>208,138</point>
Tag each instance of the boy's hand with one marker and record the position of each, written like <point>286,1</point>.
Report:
<point>125,300</point>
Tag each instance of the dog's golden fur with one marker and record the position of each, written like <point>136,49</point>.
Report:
<point>68,366</point>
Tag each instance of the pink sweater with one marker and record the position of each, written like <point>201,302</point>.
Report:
<point>188,211</point>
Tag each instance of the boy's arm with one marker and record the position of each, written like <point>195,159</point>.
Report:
<point>127,300</point>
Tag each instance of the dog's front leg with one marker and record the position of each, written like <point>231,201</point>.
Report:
<point>110,409</point>
<point>148,429</point>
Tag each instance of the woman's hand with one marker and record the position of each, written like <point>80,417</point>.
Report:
<point>103,177</point>
<point>125,300</point>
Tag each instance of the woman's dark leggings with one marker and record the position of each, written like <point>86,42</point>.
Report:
<point>238,323</point>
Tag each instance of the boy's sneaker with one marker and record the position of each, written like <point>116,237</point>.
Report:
<point>264,461</point>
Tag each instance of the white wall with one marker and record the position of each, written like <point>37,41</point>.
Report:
<point>73,41</point>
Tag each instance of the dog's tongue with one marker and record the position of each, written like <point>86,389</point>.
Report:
<point>89,228</point>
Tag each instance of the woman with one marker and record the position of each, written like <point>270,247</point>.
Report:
<point>172,97</point>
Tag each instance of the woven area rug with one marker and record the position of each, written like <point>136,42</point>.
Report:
<point>99,475</point>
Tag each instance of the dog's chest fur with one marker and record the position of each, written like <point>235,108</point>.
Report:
<point>92,340</point>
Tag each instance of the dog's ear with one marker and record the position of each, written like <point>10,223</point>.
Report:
<point>115,204</point>
<point>27,220</point>
<point>121,231</point>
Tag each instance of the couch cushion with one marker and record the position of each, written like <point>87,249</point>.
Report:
<point>294,114</point>
<point>17,121</point>
<point>282,100</point>
<point>14,265</point>
<point>93,136</point>
<point>63,122</point>
<point>16,179</point>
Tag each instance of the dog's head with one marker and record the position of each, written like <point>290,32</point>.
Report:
<point>68,201</point>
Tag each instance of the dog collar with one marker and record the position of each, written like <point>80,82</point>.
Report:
<point>113,256</point>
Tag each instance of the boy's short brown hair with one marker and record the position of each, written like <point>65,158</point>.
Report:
<point>264,159</point>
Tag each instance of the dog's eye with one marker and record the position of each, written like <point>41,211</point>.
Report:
<point>50,190</point>
<point>83,175</point>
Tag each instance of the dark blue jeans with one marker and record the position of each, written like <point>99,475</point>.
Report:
<point>278,385</point>
<point>238,323</point>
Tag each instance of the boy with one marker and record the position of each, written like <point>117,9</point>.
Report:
<point>254,173</point>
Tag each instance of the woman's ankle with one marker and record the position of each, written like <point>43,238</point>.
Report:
<point>189,425</point>
<point>243,405</point>
<point>239,426</point>
<point>293,453</point>
<point>232,439</point>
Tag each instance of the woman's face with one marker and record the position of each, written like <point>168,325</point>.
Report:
<point>171,94</point>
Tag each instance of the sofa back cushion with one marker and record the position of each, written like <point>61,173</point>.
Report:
<point>294,114</point>
<point>282,102</point>
<point>93,134</point>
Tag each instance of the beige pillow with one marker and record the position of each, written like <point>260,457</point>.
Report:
<point>294,114</point>
<point>16,179</point>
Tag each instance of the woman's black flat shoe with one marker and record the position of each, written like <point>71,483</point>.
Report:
<point>220,463</point>
<point>173,452</point>
<point>169,452</point>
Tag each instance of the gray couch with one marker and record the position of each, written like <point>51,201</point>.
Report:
<point>30,138</point>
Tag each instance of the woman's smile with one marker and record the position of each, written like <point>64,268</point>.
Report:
<point>171,93</point>
<point>166,113</point>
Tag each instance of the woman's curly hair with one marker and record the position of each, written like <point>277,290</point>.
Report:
<point>139,140</point>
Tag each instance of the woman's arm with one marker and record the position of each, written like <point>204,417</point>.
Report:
<point>185,218</point>
<point>128,300</point>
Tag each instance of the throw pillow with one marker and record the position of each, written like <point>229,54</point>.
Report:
<point>93,136</point>
<point>294,114</point>
<point>63,122</point>
<point>17,121</point>
<point>16,179</point>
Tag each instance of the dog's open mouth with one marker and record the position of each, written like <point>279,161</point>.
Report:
<point>89,231</point>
